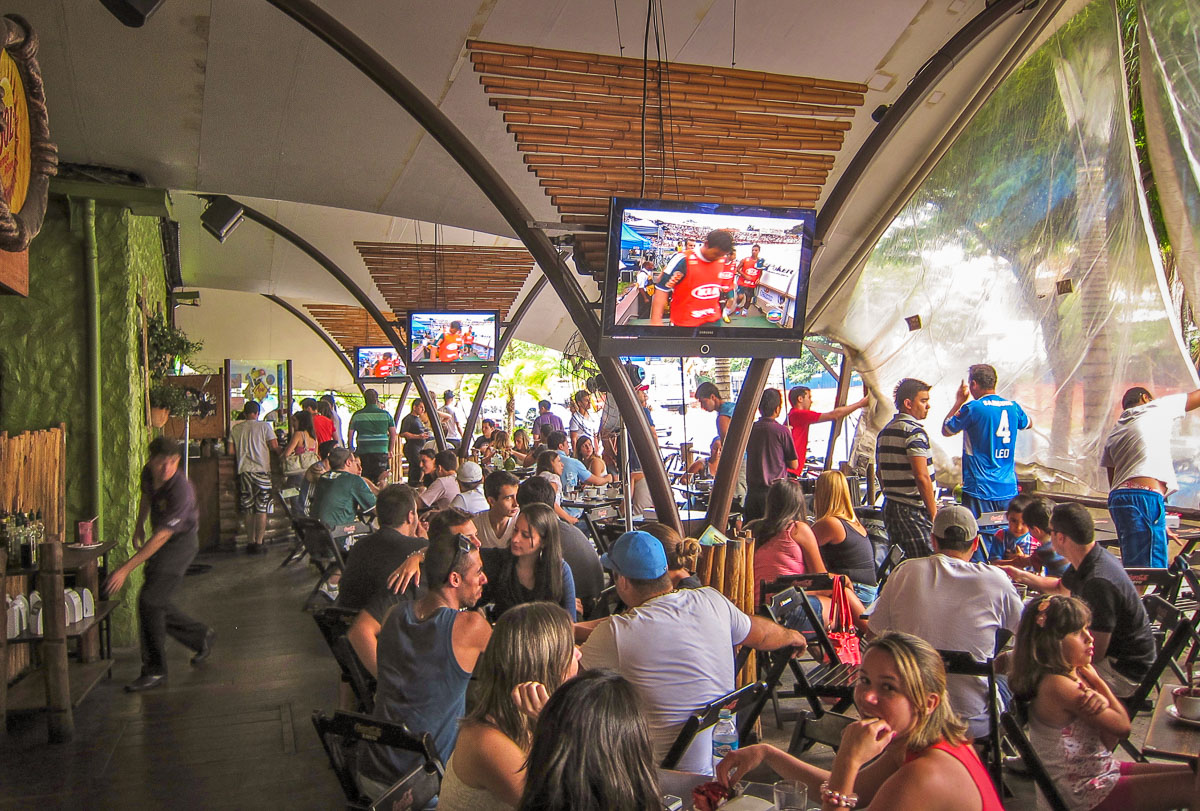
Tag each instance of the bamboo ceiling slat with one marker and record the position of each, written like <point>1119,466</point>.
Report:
<point>594,126</point>
<point>421,276</point>
<point>352,326</point>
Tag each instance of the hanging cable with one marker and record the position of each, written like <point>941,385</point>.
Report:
<point>665,78</point>
<point>645,87</point>
<point>733,43</point>
<point>617,17</point>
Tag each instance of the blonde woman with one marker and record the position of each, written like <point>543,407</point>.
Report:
<point>842,538</point>
<point>908,751</point>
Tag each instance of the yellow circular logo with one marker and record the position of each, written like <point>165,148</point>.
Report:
<point>14,135</point>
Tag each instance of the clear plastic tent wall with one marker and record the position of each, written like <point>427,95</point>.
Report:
<point>1027,248</point>
<point>1169,39</point>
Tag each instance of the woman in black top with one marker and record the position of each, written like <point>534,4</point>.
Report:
<point>532,567</point>
<point>843,541</point>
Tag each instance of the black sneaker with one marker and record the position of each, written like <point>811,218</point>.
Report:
<point>205,647</point>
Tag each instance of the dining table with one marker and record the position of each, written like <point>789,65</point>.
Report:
<point>1171,738</point>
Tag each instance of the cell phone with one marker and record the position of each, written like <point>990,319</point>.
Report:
<point>672,803</point>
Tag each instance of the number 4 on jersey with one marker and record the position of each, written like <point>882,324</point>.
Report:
<point>1002,430</point>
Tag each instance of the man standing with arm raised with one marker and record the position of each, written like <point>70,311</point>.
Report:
<point>902,457</point>
<point>1137,458</point>
<point>989,424</point>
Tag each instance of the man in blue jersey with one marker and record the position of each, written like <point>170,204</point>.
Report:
<point>989,424</point>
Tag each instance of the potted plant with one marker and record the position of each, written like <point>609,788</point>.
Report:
<point>166,347</point>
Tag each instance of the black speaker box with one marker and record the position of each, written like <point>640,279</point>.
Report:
<point>132,13</point>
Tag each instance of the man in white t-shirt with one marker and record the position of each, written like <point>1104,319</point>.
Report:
<point>953,604</point>
<point>469,498</point>
<point>495,524</point>
<point>452,418</point>
<point>253,441</point>
<point>675,647</point>
<point>1141,474</point>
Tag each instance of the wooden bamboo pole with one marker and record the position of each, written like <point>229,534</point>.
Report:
<point>718,567</point>
<point>3,637</point>
<point>54,643</point>
<point>622,110</point>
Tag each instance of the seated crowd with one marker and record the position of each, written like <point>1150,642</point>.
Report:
<point>475,591</point>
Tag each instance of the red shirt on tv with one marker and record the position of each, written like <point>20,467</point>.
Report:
<point>449,347</point>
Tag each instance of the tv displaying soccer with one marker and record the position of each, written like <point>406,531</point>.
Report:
<point>378,363</point>
<point>698,270</point>
<point>453,338</point>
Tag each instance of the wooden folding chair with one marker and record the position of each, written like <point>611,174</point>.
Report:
<point>961,663</point>
<point>1016,736</point>
<point>741,699</point>
<point>340,735</point>
<point>334,622</point>
<point>894,556</point>
<point>826,728</point>
<point>324,553</point>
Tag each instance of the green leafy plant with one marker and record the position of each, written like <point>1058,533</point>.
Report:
<point>167,346</point>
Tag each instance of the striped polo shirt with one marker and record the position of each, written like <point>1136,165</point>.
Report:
<point>901,438</point>
<point>371,425</point>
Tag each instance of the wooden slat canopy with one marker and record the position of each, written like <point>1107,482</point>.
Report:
<point>422,276</point>
<point>351,326</point>
<point>707,133</point>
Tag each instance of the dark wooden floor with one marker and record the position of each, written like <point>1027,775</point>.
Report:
<point>232,733</point>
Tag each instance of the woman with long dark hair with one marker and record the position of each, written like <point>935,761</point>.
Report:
<point>591,750</point>
<point>785,544</point>
<point>530,654</point>
<point>532,567</point>
<point>909,750</point>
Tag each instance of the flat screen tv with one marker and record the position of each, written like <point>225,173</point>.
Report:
<point>453,342</point>
<point>701,278</point>
<point>378,364</point>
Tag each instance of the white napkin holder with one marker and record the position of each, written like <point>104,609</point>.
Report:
<point>89,602</point>
<point>16,615</point>
<point>73,604</point>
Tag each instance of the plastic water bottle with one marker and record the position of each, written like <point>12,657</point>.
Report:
<point>725,737</point>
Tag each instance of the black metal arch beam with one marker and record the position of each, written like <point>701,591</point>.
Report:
<point>464,447</point>
<point>320,333</point>
<point>331,267</point>
<point>333,33</point>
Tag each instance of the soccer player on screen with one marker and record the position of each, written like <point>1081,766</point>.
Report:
<point>749,272</point>
<point>385,365</point>
<point>693,283</point>
<point>449,345</point>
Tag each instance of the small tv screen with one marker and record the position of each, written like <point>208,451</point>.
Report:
<point>704,278</point>
<point>453,342</point>
<point>378,364</point>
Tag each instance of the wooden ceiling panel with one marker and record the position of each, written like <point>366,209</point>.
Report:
<point>421,276</point>
<point>352,326</point>
<point>592,126</point>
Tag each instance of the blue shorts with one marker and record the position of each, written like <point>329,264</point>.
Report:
<point>1140,517</point>
<point>980,506</point>
<point>797,620</point>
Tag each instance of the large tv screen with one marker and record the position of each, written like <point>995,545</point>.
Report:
<point>378,364</point>
<point>453,342</point>
<point>700,278</point>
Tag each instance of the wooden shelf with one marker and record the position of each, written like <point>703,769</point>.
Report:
<point>74,629</point>
<point>74,557</point>
<point>30,692</point>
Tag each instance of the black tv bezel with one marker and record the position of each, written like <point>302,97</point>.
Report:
<point>391,378</point>
<point>728,342</point>
<point>458,367</point>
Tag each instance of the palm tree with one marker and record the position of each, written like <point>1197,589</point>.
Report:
<point>523,376</point>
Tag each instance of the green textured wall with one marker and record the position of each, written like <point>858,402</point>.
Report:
<point>43,352</point>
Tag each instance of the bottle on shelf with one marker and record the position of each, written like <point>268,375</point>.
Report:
<point>725,737</point>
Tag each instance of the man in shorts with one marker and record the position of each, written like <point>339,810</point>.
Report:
<point>253,441</point>
<point>372,435</point>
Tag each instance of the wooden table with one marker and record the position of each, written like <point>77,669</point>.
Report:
<point>1168,738</point>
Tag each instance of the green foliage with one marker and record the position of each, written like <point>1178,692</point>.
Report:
<point>525,369</point>
<point>167,345</point>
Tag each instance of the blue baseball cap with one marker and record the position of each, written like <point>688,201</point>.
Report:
<point>636,555</point>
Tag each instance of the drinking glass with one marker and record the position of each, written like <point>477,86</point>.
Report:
<point>790,795</point>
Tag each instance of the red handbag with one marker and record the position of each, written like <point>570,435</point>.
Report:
<point>842,632</point>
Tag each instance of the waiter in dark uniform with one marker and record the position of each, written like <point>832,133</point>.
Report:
<point>170,502</point>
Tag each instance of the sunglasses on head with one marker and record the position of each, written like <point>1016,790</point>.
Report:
<point>462,546</point>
